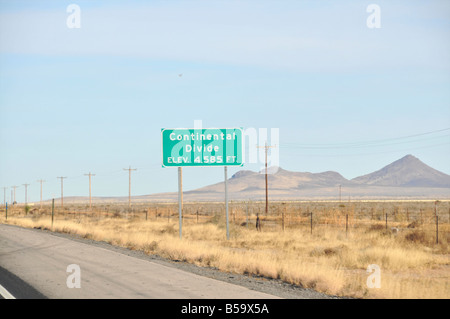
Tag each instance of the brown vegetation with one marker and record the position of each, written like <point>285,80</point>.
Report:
<point>331,256</point>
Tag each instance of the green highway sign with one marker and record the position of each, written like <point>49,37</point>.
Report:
<point>202,147</point>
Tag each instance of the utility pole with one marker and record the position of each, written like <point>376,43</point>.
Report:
<point>4,195</point>
<point>90,197</point>
<point>41,181</point>
<point>129,183</point>
<point>62,188</point>
<point>26,196</point>
<point>14,199</point>
<point>266,148</point>
<point>340,186</point>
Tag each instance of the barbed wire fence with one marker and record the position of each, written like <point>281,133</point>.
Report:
<point>423,220</point>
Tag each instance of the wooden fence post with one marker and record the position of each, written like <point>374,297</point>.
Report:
<point>53,210</point>
<point>346,225</point>
<point>437,229</point>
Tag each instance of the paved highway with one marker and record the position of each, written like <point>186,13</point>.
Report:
<point>36,264</point>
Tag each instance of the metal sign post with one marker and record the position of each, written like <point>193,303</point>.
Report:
<point>180,199</point>
<point>226,200</point>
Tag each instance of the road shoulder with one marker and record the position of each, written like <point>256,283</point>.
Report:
<point>265,285</point>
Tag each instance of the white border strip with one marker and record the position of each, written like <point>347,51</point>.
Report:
<point>5,293</point>
<point>206,128</point>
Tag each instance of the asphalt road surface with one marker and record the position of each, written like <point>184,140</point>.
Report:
<point>37,264</point>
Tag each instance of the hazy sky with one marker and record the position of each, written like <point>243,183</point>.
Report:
<point>344,97</point>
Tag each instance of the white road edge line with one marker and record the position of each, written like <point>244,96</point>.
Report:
<point>5,293</point>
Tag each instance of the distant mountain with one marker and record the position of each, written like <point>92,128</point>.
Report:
<point>281,179</point>
<point>408,171</point>
<point>406,178</point>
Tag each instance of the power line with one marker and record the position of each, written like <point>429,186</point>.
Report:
<point>369,143</point>
<point>376,153</point>
<point>363,145</point>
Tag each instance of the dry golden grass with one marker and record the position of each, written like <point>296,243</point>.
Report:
<point>329,260</point>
